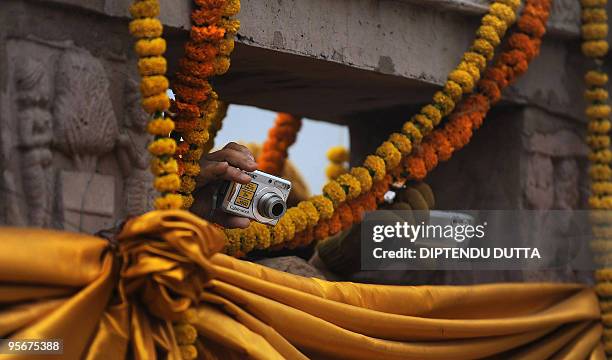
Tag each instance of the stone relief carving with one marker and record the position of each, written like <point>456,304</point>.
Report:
<point>133,156</point>
<point>33,96</point>
<point>85,121</point>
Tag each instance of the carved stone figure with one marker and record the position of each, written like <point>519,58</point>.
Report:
<point>133,156</point>
<point>33,92</point>
<point>86,127</point>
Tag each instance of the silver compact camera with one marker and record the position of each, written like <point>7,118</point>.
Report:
<point>264,199</point>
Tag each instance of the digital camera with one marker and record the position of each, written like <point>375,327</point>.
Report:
<point>264,199</point>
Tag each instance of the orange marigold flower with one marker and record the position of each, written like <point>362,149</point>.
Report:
<point>321,231</point>
<point>200,51</point>
<point>335,225</point>
<point>196,68</point>
<point>429,156</point>
<point>207,33</point>
<point>191,95</point>
<point>346,216</point>
<point>185,125</point>
<point>206,16</point>
<point>192,81</point>
<point>531,25</point>
<point>185,110</point>
<point>490,89</point>
<point>525,44</point>
<point>496,74</point>
<point>415,165</point>
<point>443,147</point>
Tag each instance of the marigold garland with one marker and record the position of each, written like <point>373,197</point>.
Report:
<point>389,155</point>
<point>150,47</point>
<point>197,108</point>
<point>595,46</point>
<point>280,137</point>
<point>523,46</point>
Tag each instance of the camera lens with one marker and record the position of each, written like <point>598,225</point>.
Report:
<point>272,206</point>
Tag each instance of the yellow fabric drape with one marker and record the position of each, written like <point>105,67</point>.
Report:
<point>120,302</point>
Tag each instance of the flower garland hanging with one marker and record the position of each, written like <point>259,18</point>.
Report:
<point>374,174</point>
<point>338,157</point>
<point>522,47</point>
<point>280,137</point>
<point>197,108</point>
<point>150,48</point>
<point>595,46</point>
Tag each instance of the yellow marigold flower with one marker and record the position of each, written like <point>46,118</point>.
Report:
<point>513,4</point>
<point>597,111</point>
<point>499,25</point>
<point>192,168</point>
<point>232,241</point>
<point>187,201</point>
<point>471,69</point>
<point>298,217</point>
<point>338,154</point>
<point>194,154</point>
<point>167,183</point>
<point>350,185</point>
<point>596,94</point>
<point>262,235</point>
<point>324,206</point>
<point>598,141</point>
<point>602,203</point>
<point>156,65</point>
<point>231,26</point>
<point>162,146</point>
<point>312,215</point>
<point>503,12</point>
<point>221,65</point>
<point>226,46</point>
<point>593,3</point>
<point>484,48</point>
<point>424,124</point>
<point>464,79</point>
<point>453,90</point>
<point>443,102</point>
<point>160,126</point>
<point>602,231</point>
<point>202,124</point>
<point>376,166</point>
<point>188,184</point>
<point>288,227</point>
<point>231,8</point>
<point>153,85</point>
<point>599,126</point>
<point>333,170</point>
<point>164,166</point>
<point>600,172</point>
<point>197,137</point>
<point>156,103</point>
<point>145,9</point>
<point>594,31</point>
<point>595,15</point>
<point>169,201</point>
<point>146,28</point>
<point>475,59</point>
<point>334,192</point>
<point>412,132</point>
<point>595,48</point>
<point>602,188</point>
<point>602,156</point>
<point>390,154</point>
<point>150,47</point>
<point>596,78</point>
<point>488,33</point>
<point>363,176</point>
<point>248,240</point>
<point>401,142</point>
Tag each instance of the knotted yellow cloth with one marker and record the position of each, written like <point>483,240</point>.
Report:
<point>113,301</point>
